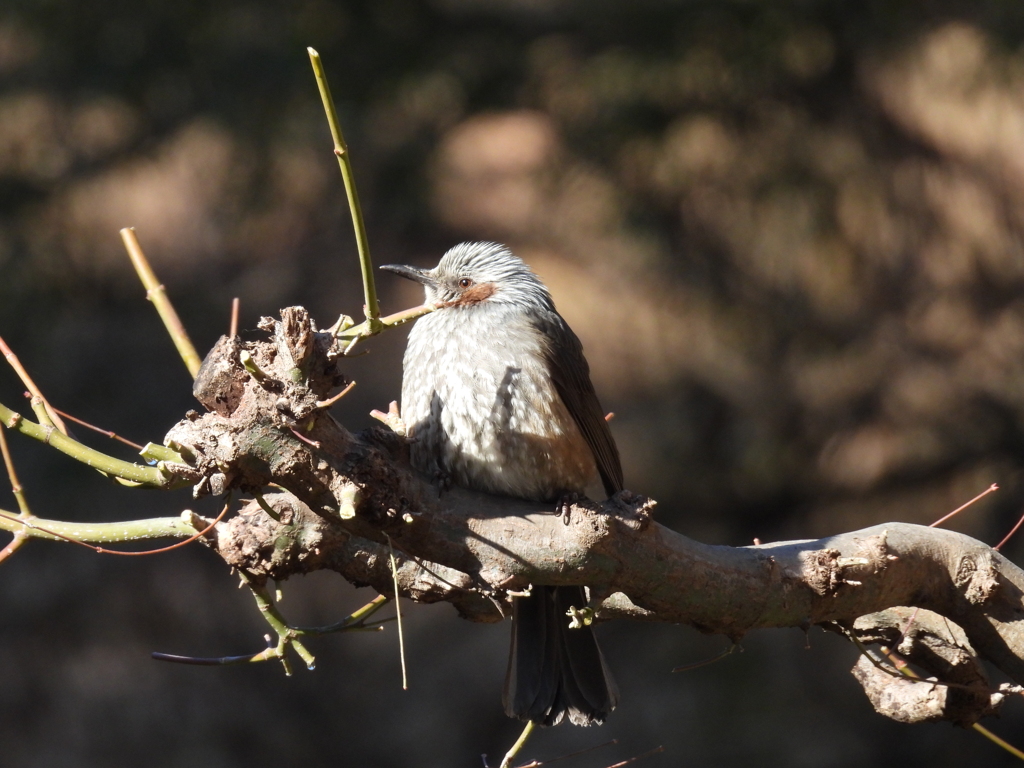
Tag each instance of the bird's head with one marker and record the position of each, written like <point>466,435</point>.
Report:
<point>477,274</point>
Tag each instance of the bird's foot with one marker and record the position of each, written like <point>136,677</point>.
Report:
<point>443,481</point>
<point>564,506</point>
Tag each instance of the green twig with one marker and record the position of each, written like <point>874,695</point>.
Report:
<point>353,623</point>
<point>157,294</point>
<point>345,328</point>
<point>354,333</point>
<point>266,507</point>
<point>355,620</point>
<point>371,308</point>
<point>97,533</point>
<point>125,470</point>
<point>42,411</point>
<point>250,364</point>
<point>285,634</point>
<point>520,743</point>
<point>40,530</point>
<point>154,452</point>
<point>979,728</point>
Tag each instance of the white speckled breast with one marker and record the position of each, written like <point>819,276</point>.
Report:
<point>478,398</point>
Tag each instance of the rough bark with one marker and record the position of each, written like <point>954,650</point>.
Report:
<point>349,495</point>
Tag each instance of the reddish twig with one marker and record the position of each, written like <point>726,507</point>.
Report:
<point>962,507</point>
<point>305,439</point>
<point>11,474</point>
<point>328,403</point>
<point>654,751</point>
<point>910,623</point>
<point>24,512</point>
<point>107,432</point>
<point>1009,535</point>
<point>538,763</point>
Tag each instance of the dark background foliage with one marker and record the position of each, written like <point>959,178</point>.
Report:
<point>789,235</point>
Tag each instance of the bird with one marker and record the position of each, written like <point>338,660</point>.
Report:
<point>497,397</point>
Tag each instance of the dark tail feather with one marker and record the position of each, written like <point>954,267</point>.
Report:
<point>554,671</point>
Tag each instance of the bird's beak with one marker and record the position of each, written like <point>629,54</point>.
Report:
<point>412,273</point>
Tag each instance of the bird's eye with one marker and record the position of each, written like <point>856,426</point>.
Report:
<point>465,282</point>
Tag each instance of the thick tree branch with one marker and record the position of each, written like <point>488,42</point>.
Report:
<point>488,545</point>
<point>348,494</point>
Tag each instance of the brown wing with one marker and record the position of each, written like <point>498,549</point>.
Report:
<point>571,376</point>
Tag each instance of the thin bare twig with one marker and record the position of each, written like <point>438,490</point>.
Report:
<point>25,513</point>
<point>1008,536</point>
<point>355,619</point>
<point>30,385</point>
<point>12,546</point>
<point>157,294</point>
<point>156,476</point>
<point>962,507</point>
<point>706,662</point>
<point>303,438</point>
<point>538,763</point>
<point>285,634</point>
<point>518,746</point>
<point>233,328</point>
<point>398,613</point>
<point>107,432</point>
<point>654,751</point>
<point>998,741</point>
<point>331,401</point>
<point>353,622</point>
<point>371,308</point>
<point>13,476</point>
<point>199,661</point>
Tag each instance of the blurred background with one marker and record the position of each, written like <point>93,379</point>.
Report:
<point>788,234</point>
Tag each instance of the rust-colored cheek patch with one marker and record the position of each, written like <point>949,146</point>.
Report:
<point>474,295</point>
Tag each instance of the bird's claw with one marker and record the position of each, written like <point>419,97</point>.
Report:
<point>564,506</point>
<point>443,481</point>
